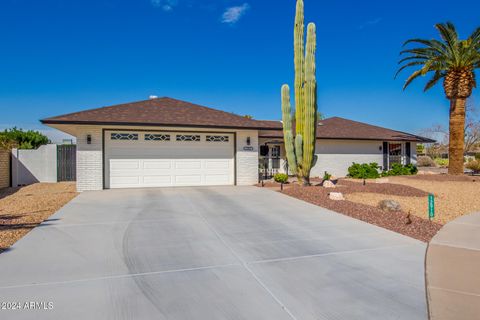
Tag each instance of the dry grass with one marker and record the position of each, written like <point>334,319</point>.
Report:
<point>22,209</point>
<point>454,196</point>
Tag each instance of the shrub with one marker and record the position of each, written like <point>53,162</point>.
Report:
<point>401,170</point>
<point>326,176</point>
<point>477,156</point>
<point>364,171</point>
<point>473,165</point>
<point>24,139</point>
<point>425,161</point>
<point>441,162</point>
<point>280,178</point>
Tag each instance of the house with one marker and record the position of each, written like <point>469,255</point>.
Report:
<point>166,142</point>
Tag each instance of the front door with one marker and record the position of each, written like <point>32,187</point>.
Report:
<point>396,153</point>
<point>270,161</point>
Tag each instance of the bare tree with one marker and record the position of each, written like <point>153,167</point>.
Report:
<point>441,134</point>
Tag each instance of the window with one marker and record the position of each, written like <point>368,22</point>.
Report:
<point>187,137</point>
<point>275,151</point>
<point>217,138</point>
<point>124,136</point>
<point>157,137</point>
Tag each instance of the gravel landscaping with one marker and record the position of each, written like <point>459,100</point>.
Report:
<point>23,208</point>
<point>454,196</point>
<point>413,226</point>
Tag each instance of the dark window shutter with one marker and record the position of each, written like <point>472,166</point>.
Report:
<point>385,156</point>
<point>408,151</point>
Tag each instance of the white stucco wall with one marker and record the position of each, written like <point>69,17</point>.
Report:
<point>335,156</point>
<point>89,156</point>
<point>31,166</point>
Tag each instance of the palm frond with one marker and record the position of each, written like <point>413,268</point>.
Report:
<point>475,36</point>
<point>407,65</point>
<point>415,57</point>
<point>412,77</point>
<point>434,44</point>
<point>434,80</point>
<point>449,34</point>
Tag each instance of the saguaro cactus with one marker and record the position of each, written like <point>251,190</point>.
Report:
<point>301,147</point>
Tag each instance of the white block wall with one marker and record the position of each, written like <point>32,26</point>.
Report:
<point>89,159</point>
<point>247,160</point>
<point>36,165</point>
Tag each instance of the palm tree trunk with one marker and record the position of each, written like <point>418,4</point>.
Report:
<point>457,136</point>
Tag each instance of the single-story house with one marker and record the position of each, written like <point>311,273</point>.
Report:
<point>166,142</point>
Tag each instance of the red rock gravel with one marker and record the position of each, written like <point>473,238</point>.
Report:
<point>414,227</point>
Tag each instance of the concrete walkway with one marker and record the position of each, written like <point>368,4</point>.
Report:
<point>210,253</point>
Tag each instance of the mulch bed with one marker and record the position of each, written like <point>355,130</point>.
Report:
<point>413,226</point>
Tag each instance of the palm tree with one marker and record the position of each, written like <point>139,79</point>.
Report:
<point>453,60</point>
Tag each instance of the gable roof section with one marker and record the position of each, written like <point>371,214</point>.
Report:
<point>157,112</point>
<point>340,128</point>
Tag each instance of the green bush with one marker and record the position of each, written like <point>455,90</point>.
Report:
<point>326,176</point>
<point>441,162</point>
<point>401,170</point>
<point>280,178</point>
<point>477,156</point>
<point>364,171</point>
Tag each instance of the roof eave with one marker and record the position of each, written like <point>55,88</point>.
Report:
<point>145,124</point>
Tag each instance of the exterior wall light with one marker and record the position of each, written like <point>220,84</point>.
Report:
<point>89,139</point>
<point>248,141</point>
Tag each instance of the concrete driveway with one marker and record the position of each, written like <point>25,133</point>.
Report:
<point>210,253</point>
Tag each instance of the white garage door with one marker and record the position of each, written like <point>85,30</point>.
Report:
<point>164,159</point>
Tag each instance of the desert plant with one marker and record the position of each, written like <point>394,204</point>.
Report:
<point>442,162</point>
<point>326,176</point>
<point>300,149</point>
<point>364,171</point>
<point>280,178</point>
<point>453,60</point>
<point>473,165</point>
<point>401,170</point>
<point>425,161</point>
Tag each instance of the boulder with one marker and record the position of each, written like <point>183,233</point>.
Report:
<point>389,205</point>
<point>381,180</point>
<point>328,184</point>
<point>336,196</point>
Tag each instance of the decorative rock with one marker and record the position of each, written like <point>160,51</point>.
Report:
<point>381,180</point>
<point>328,184</point>
<point>389,205</point>
<point>336,196</point>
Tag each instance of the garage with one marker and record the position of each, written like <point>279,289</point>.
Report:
<point>136,159</point>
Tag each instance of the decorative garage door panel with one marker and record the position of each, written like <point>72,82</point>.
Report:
<point>166,159</point>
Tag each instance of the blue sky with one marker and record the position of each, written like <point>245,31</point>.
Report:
<point>60,56</point>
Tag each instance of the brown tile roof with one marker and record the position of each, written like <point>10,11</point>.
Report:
<point>158,112</point>
<point>340,128</point>
<point>171,112</point>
